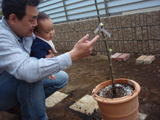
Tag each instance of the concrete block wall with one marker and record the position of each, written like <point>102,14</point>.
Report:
<point>134,33</point>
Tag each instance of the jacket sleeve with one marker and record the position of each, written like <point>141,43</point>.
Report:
<point>15,60</point>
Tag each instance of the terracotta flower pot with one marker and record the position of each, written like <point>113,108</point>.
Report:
<point>123,108</point>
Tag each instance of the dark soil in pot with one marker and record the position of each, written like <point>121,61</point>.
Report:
<point>121,91</point>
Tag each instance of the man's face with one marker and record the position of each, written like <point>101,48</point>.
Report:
<point>26,25</point>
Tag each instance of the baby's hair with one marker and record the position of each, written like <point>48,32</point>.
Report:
<point>41,16</point>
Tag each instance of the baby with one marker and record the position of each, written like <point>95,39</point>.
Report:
<point>43,44</point>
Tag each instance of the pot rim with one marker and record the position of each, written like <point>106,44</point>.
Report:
<point>120,99</point>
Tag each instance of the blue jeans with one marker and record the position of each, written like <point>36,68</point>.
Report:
<point>31,96</point>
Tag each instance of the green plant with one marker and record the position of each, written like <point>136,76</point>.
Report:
<point>108,50</point>
<point>1,14</point>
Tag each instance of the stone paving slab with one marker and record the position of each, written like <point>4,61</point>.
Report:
<point>123,57</point>
<point>149,59</point>
<point>87,104</point>
<point>55,98</point>
<point>140,59</point>
<point>142,116</point>
<point>114,57</point>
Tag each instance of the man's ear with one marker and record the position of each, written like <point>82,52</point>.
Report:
<point>13,18</point>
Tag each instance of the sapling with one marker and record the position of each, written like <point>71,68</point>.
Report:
<point>100,27</point>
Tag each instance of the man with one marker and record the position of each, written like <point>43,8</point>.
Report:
<point>24,80</point>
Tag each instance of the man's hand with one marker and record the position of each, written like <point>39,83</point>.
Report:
<point>83,48</point>
<point>50,54</point>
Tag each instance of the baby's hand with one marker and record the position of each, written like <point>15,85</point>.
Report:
<point>52,77</point>
<point>50,54</point>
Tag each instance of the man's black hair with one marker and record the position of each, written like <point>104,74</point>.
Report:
<point>41,16</point>
<point>17,7</point>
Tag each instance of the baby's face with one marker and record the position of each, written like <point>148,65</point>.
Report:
<point>46,29</point>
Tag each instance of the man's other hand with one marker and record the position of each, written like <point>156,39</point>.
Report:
<point>83,48</point>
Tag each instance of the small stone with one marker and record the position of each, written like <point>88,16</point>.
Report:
<point>149,59</point>
<point>140,59</point>
<point>123,57</point>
